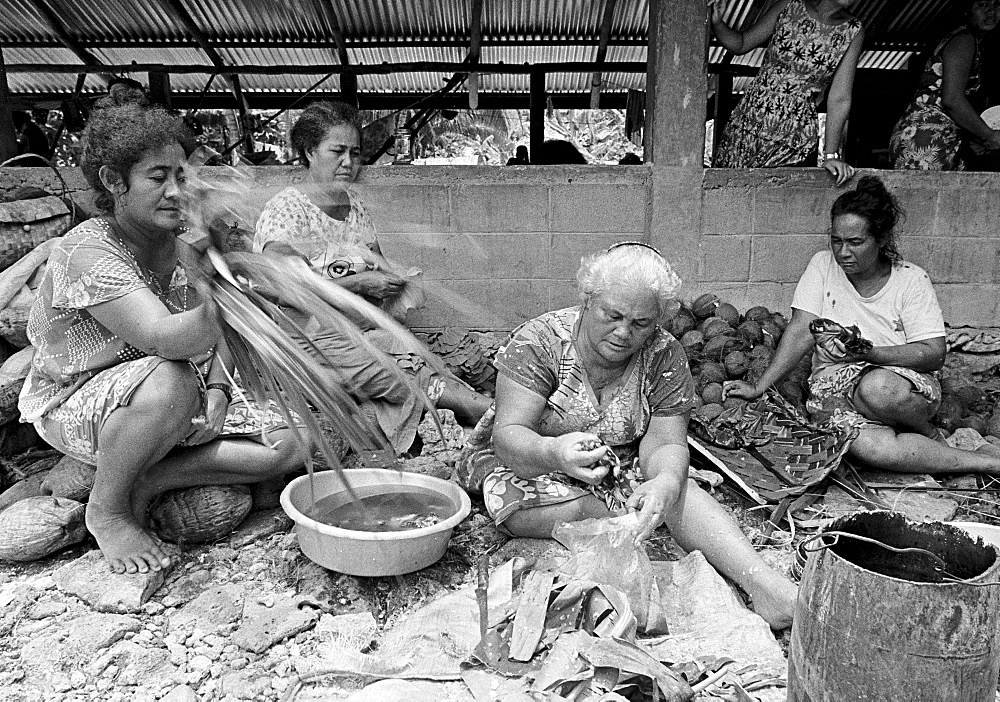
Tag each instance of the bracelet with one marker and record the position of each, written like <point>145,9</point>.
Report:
<point>223,387</point>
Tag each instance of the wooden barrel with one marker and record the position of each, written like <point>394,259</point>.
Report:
<point>875,625</point>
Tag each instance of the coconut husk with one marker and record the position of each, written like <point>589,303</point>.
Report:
<point>38,526</point>
<point>705,305</point>
<point>70,478</point>
<point>681,324</point>
<point>950,413</point>
<point>712,394</point>
<point>718,348</point>
<point>713,327</point>
<point>736,363</point>
<point>23,489</point>
<point>711,372</point>
<point>750,333</point>
<point>757,314</point>
<point>200,514</point>
<point>14,326</point>
<point>729,313</point>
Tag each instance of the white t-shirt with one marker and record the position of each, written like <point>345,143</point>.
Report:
<point>906,309</point>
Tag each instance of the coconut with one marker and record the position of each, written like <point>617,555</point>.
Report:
<point>711,411</point>
<point>757,314</point>
<point>729,313</point>
<point>762,351</point>
<point>950,413</point>
<point>756,369</point>
<point>736,364</point>
<point>37,526</point>
<point>705,305</point>
<point>749,333</point>
<point>671,310</point>
<point>693,342</point>
<point>681,324</point>
<point>770,333</point>
<point>200,514</point>
<point>734,403</point>
<point>993,425</point>
<point>715,326</point>
<point>70,478</point>
<point>780,320</point>
<point>23,489</point>
<point>716,349</point>
<point>712,393</point>
<point>711,372</point>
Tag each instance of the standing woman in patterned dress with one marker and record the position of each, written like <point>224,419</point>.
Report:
<point>929,134</point>
<point>814,45</point>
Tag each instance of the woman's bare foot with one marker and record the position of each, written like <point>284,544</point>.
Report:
<point>774,600</point>
<point>126,546</point>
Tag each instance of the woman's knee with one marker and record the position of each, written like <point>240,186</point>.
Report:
<point>884,391</point>
<point>171,390</point>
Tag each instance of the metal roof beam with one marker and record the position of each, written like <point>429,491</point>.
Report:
<point>360,69</point>
<point>475,41</point>
<point>348,81</point>
<point>602,53</point>
<point>364,43</point>
<point>65,39</point>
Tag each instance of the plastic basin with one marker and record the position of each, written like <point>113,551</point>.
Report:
<point>370,553</point>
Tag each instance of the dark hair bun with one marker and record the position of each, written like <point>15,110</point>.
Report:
<point>870,185</point>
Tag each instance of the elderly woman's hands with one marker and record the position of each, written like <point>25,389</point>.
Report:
<point>571,458</point>
<point>378,284</point>
<point>654,500</point>
<point>741,389</point>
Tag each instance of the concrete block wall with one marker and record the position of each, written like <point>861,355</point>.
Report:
<point>500,245</point>
<point>761,227</point>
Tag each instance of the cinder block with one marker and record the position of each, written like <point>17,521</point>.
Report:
<point>482,304</point>
<point>791,209</point>
<point>969,305</point>
<point>599,208</point>
<point>727,211</point>
<point>782,258</point>
<point>950,261</point>
<point>921,207</point>
<point>725,259</point>
<point>968,212</point>
<point>566,250</point>
<point>407,208</point>
<point>500,208</point>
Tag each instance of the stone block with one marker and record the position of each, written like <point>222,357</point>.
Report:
<point>275,619</point>
<point>566,250</point>
<point>407,208</point>
<point>792,209</point>
<point>212,609</point>
<point>921,206</point>
<point>90,579</point>
<point>599,208</point>
<point>479,304</point>
<point>966,304</point>
<point>781,258</point>
<point>949,261</point>
<point>480,256</point>
<point>500,208</point>
<point>967,212</point>
<point>725,259</point>
<point>727,211</point>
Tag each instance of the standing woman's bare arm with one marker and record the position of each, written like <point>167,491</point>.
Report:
<point>838,109</point>
<point>740,42</point>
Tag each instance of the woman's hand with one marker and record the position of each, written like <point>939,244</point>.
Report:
<point>843,172</point>
<point>653,499</point>
<point>375,284</point>
<point>741,389</point>
<point>717,7</point>
<point>209,426</point>
<point>575,462</point>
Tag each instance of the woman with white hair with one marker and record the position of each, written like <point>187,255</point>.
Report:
<point>600,385</point>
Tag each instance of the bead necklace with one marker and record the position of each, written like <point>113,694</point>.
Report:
<point>149,276</point>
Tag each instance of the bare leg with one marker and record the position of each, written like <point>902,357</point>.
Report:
<point>883,448</point>
<point>220,462</point>
<point>467,404</point>
<point>538,522</point>
<point>133,438</point>
<point>704,525</point>
<point>891,399</point>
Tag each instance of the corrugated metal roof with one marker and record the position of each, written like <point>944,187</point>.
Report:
<point>514,32</point>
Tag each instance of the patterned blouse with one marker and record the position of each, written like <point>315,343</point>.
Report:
<point>88,267</point>
<point>541,356</point>
<point>292,218</point>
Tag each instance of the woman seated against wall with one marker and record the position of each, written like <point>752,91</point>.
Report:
<point>322,221</point>
<point>929,134</point>
<point>606,371</point>
<point>891,391</point>
<point>130,371</point>
<point>812,46</point>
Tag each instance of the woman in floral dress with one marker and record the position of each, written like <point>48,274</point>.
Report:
<point>130,372</point>
<point>929,134</point>
<point>606,371</point>
<point>814,45</point>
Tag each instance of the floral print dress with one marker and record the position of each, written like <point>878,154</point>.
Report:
<point>542,357</point>
<point>925,138</point>
<point>776,124</point>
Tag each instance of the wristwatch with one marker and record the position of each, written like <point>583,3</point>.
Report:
<point>224,388</point>
<point>832,154</point>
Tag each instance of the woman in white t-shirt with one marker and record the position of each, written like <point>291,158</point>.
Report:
<point>891,391</point>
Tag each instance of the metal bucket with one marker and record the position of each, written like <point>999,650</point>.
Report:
<point>878,618</point>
